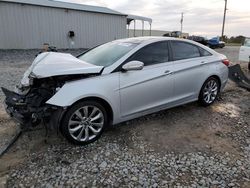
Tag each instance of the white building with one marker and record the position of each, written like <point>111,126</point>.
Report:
<point>28,24</point>
<point>140,32</point>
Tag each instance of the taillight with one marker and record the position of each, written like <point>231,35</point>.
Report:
<point>226,62</point>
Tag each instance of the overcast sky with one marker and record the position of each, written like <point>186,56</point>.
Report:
<point>201,17</point>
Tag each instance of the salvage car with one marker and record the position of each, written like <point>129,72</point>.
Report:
<point>115,82</point>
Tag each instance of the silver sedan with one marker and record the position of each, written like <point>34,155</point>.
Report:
<point>119,81</point>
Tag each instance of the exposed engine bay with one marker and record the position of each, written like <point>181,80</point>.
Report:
<point>28,104</point>
<point>46,75</point>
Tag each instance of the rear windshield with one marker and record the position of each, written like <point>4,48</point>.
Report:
<point>107,54</point>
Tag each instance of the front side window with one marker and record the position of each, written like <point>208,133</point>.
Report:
<point>184,50</point>
<point>152,54</point>
<point>107,54</point>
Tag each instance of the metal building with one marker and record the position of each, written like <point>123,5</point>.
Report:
<point>139,32</point>
<point>28,24</point>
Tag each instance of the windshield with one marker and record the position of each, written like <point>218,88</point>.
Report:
<point>108,53</point>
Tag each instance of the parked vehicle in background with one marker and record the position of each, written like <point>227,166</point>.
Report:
<point>199,39</point>
<point>244,54</point>
<point>115,82</point>
<point>215,43</point>
<point>221,44</point>
<point>176,34</point>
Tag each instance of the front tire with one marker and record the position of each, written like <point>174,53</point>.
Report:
<point>84,122</point>
<point>209,91</point>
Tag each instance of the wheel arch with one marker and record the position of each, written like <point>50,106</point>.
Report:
<point>211,76</point>
<point>217,77</point>
<point>103,102</point>
<point>200,99</point>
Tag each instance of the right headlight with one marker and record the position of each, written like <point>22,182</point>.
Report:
<point>28,78</point>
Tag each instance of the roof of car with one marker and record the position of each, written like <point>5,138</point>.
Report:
<point>136,39</point>
<point>151,39</point>
<point>148,39</point>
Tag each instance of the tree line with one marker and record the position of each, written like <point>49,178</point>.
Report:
<point>238,39</point>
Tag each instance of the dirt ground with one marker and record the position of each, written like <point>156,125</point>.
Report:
<point>221,128</point>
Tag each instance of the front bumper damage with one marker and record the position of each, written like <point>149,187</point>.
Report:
<point>15,106</point>
<point>27,113</point>
<point>19,108</point>
<point>11,103</point>
<point>27,116</point>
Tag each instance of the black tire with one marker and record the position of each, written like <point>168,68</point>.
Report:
<point>71,112</point>
<point>204,89</point>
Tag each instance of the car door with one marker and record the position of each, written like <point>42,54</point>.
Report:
<point>151,87</point>
<point>190,69</point>
<point>244,54</point>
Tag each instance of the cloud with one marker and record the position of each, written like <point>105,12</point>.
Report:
<point>200,17</point>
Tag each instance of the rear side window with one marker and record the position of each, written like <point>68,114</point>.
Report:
<point>184,50</point>
<point>204,52</point>
<point>152,54</point>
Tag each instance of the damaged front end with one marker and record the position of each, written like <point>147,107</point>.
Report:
<point>42,80</point>
<point>27,105</point>
<point>46,75</point>
<point>30,109</point>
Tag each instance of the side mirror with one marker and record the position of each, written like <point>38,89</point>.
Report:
<point>133,65</point>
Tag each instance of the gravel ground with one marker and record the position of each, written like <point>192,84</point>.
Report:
<point>187,146</point>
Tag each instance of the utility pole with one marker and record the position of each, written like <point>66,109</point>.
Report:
<point>181,22</point>
<point>224,18</point>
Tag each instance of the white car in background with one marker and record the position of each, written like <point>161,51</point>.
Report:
<point>244,54</point>
<point>115,82</point>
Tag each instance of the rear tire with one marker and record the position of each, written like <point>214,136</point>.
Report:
<point>84,122</point>
<point>209,91</point>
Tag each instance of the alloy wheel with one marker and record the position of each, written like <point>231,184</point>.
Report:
<point>210,91</point>
<point>86,123</point>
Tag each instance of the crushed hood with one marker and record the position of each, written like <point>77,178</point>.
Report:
<point>49,64</point>
<point>54,64</point>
